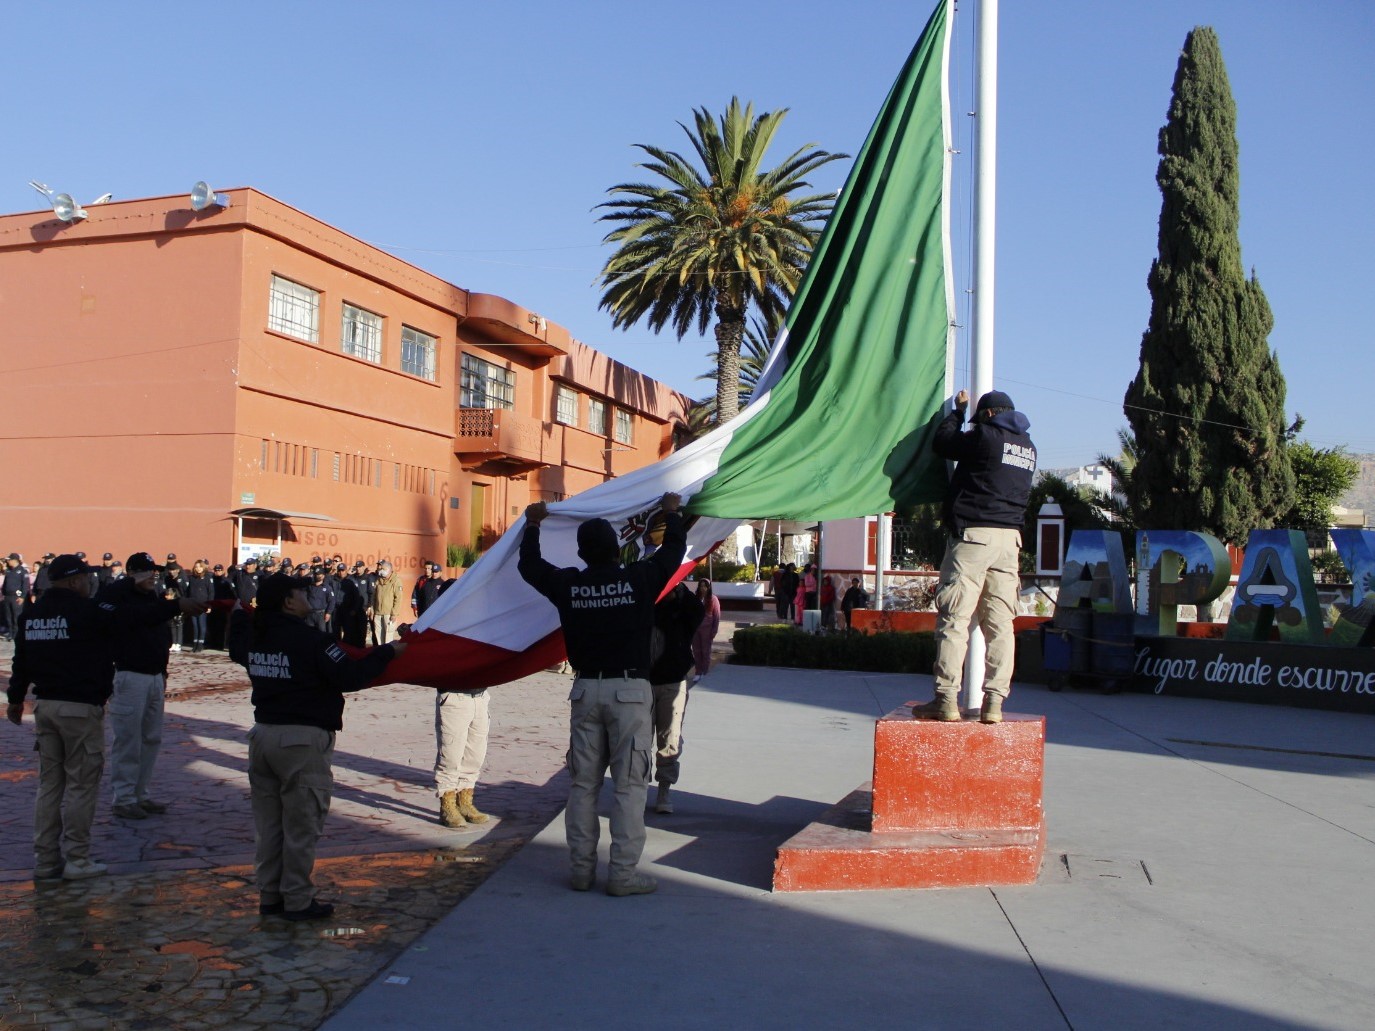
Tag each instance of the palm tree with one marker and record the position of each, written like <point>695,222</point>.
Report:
<point>754,352</point>
<point>1120,505</point>
<point>715,240</point>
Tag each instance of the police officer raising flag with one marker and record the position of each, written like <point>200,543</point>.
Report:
<point>299,676</point>
<point>607,614</point>
<point>984,510</point>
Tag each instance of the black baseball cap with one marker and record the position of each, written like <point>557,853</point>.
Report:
<point>64,566</point>
<point>142,562</point>
<point>171,556</point>
<point>106,557</point>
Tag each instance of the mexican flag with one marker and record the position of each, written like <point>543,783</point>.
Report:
<point>839,426</point>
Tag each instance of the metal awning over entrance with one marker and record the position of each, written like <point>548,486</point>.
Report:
<point>276,513</point>
<point>245,551</point>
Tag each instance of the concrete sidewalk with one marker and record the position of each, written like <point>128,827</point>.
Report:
<point>1208,865</point>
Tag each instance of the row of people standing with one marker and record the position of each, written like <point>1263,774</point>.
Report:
<point>77,653</point>
<point>798,592</point>
<point>358,605</point>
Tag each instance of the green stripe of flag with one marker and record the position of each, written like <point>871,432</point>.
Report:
<point>846,429</point>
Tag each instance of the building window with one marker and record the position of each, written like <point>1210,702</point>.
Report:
<point>417,353</point>
<point>335,467</point>
<point>263,461</point>
<point>362,334</point>
<point>294,309</point>
<point>596,415</point>
<point>625,428</point>
<point>486,385</point>
<point>566,406</point>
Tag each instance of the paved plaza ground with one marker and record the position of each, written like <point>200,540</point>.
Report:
<point>1208,866</point>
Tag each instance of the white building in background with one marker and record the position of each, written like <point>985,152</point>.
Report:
<point>1095,476</point>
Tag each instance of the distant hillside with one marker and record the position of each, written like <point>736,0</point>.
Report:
<point>1362,492</point>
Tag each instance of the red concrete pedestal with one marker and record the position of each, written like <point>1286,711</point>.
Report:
<point>951,805</point>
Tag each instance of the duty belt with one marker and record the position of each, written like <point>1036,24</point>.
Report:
<point>611,674</point>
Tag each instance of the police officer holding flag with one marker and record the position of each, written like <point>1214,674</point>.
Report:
<point>607,614</point>
<point>299,676</point>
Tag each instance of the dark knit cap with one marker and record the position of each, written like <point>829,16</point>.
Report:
<point>994,399</point>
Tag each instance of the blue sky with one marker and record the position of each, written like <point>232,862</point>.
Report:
<point>474,140</point>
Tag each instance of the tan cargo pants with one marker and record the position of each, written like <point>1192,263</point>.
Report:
<point>462,722</point>
<point>979,580</point>
<point>670,704</point>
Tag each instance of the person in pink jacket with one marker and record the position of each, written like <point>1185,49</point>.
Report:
<point>706,632</point>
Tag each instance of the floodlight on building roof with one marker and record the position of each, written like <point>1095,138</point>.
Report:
<point>202,197</point>
<point>42,188</point>
<point>66,209</point>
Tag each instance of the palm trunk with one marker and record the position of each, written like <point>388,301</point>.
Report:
<point>730,330</point>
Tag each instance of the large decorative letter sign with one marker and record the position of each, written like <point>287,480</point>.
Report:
<point>1174,568</point>
<point>1095,571</point>
<point>1357,549</point>
<point>1275,588</point>
<point>1355,628</point>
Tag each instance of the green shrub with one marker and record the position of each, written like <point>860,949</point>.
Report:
<point>723,572</point>
<point>461,555</point>
<point>871,653</point>
<point>1329,568</point>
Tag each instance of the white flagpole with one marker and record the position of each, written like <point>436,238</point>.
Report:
<point>985,221</point>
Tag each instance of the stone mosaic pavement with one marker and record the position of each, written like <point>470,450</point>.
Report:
<point>172,937</point>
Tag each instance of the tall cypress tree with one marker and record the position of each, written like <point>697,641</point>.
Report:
<point>1207,405</point>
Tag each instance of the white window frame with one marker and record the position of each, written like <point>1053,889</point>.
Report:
<point>418,349</point>
<point>565,405</point>
<point>293,309</point>
<point>360,333</point>
<point>625,427</point>
<point>596,415</point>
<point>484,385</point>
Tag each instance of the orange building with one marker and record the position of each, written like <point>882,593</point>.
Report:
<point>247,378</point>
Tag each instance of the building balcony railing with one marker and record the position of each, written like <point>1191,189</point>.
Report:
<point>499,435</point>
